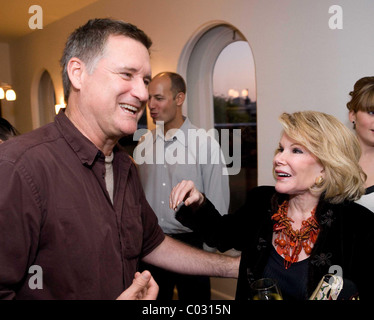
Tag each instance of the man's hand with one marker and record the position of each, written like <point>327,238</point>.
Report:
<point>143,287</point>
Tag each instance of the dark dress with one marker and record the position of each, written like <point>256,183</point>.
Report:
<point>346,239</point>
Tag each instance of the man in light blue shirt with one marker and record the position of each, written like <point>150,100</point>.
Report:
<point>177,150</point>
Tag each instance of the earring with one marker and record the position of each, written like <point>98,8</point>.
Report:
<point>319,181</point>
<point>354,125</point>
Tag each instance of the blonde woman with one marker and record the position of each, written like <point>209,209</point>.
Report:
<point>305,227</point>
<point>361,114</point>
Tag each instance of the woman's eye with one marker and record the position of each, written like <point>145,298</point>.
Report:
<point>297,150</point>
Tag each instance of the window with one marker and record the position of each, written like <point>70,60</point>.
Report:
<point>234,101</point>
<point>198,62</point>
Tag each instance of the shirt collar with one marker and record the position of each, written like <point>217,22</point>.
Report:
<point>180,134</point>
<point>86,151</point>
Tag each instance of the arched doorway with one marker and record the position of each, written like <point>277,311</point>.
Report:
<point>197,64</point>
<point>46,99</point>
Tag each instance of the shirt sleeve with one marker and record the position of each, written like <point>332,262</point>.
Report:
<point>235,230</point>
<point>20,219</point>
<point>216,183</point>
<point>216,230</point>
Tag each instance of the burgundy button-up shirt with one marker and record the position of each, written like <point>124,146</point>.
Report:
<point>56,214</point>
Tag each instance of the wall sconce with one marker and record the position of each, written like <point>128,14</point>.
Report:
<point>10,95</point>
<point>6,92</point>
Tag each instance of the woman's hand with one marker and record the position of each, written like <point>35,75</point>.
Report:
<point>187,192</point>
<point>143,287</point>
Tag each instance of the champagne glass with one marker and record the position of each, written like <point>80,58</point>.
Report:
<point>265,289</point>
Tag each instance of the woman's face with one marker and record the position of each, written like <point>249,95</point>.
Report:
<point>295,168</point>
<point>364,126</point>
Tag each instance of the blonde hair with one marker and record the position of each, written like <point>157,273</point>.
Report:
<point>335,146</point>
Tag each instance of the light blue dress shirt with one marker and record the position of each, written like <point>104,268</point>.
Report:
<point>164,162</point>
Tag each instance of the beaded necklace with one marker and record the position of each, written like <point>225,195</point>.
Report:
<point>289,242</point>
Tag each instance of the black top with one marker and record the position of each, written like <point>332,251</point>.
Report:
<point>369,190</point>
<point>346,238</point>
<point>292,281</point>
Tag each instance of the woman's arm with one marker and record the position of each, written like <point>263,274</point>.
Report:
<point>199,214</point>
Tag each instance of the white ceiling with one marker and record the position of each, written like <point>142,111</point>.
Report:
<point>15,16</point>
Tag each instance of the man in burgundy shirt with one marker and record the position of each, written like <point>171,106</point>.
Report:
<point>74,221</point>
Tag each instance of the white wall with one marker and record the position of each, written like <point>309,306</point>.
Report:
<point>4,63</point>
<point>300,63</point>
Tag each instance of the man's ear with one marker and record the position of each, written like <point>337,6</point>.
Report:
<point>75,70</point>
<point>180,98</point>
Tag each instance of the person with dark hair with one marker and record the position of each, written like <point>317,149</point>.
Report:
<point>74,220</point>
<point>88,43</point>
<point>6,130</point>
<point>361,114</point>
<point>167,92</point>
<point>304,231</point>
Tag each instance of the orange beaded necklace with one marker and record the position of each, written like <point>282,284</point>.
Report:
<point>289,242</point>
